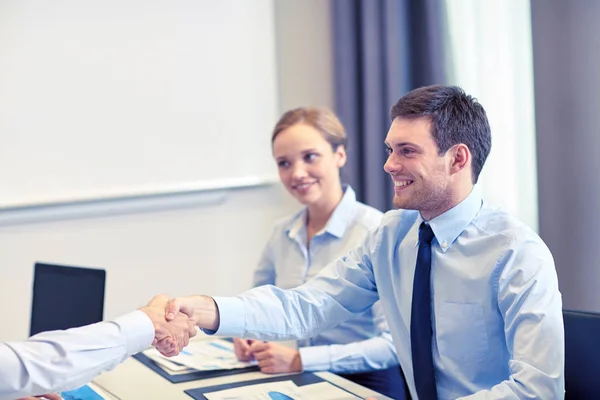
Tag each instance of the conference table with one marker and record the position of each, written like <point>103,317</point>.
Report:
<point>132,380</point>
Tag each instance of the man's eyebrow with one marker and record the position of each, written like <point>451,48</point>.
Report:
<point>401,144</point>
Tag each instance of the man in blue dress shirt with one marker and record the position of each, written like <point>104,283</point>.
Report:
<point>495,308</point>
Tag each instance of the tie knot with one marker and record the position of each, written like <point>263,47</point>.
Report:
<point>425,233</point>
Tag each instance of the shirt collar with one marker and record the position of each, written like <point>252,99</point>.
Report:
<point>449,225</point>
<point>338,222</point>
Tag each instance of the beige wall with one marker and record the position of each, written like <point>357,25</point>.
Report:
<point>178,245</point>
<point>305,56</point>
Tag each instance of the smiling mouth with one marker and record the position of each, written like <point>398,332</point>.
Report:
<point>399,185</point>
<point>303,186</point>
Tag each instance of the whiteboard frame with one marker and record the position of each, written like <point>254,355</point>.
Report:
<point>141,192</point>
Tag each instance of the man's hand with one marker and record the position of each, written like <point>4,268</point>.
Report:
<point>201,309</point>
<point>49,396</point>
<point>172,335</point>
<point>275,358</point>
<point>242,349</point>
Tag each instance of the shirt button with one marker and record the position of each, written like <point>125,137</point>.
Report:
<point>444,244</point>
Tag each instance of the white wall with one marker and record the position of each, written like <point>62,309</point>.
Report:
<point>133,86</point>
<point>175,245</point>
<point>305,53</point>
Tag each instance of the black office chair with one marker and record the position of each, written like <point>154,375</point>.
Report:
<point>582,355</point>
<point>66,297</point>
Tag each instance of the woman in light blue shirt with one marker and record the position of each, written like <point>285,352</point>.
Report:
<point>309,148</point>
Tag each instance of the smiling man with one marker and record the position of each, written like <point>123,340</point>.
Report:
<point>469,292</point>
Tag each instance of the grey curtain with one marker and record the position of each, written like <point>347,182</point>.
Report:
<point>565,38</point>
<point>382,49</point>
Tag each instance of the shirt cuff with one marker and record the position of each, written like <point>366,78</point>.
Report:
<point>232,317</point>
<point>137,329</point>
<point>315,358</point>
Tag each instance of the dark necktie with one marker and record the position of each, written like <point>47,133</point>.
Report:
<point>420,320</point>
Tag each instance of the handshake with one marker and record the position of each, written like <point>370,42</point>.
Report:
<point>175,320</point>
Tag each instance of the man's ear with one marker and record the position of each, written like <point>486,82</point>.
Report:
<point>460,158</point>
<point>340,156</point>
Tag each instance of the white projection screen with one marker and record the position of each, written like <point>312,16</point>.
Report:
<point>103,99</point>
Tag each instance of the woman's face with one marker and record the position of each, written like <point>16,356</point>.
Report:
<point>308,167</point>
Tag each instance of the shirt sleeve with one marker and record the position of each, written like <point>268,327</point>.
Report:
<point>343,288</point>
<point>265,271</point>
<point>531,305</point>
<point>64,360</point>
<point>375,353</point>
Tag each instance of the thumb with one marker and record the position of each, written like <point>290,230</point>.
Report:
<point>172,309</point>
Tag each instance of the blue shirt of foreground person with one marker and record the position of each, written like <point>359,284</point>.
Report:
<point>496,318</point>
<point>64,360</point>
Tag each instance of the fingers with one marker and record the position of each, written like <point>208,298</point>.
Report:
<point>53,396</point>
<point>262,355</point>
<point>192,329</point>
<point>180,330</point>
<point>167,347</point>
<point>49,396</point>
<point>242,349</point>
<point>173,307</point>
<point>170,322</point>
<point>264,359</point>
<point>266,365</point>
<point>257,346</point>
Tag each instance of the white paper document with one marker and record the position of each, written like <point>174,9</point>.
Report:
<point>167,365</point>
<point>286,390</point>
<point>203,355</point>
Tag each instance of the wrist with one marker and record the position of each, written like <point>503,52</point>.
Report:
<point>152,314</point>
<point>206,314</point>
<point>297,362</point>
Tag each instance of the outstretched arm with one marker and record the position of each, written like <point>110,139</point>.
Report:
<point>342,289</point>
<point>63,360</point>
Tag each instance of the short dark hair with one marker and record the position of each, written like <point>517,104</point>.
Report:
<point>455,117</point>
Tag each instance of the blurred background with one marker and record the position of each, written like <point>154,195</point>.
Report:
<point>135,135</point>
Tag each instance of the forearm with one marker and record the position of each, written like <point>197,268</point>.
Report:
<point>62,360</point>
<point>271,313</point>
<point>339,291</point>
<point>365,355</point>
<point>203,310</point>
<point>512,389</point>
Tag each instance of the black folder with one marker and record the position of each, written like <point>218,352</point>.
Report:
<point>192,376</point>
<point>305,378</point>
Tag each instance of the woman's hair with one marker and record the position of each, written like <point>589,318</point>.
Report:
<point>322,119</point>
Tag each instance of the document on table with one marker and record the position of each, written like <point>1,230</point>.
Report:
<point>286,390</point>
<point>165,364</point>
<point>202,355</point>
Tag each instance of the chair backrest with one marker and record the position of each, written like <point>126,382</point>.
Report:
<point>66,297</point>
<point>582,354</point>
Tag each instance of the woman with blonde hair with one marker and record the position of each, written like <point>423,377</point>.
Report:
<point>309,147</point>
